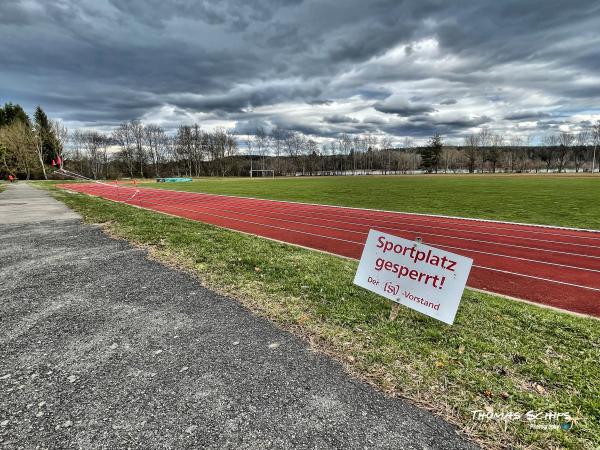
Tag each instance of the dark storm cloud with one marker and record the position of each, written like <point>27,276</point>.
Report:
<point>405,68</point>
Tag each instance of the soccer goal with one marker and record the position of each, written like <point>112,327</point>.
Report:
<point>262,173</point>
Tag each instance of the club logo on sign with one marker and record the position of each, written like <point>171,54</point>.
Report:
<point>413,274</point>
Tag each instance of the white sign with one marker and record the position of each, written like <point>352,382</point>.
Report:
<point>413,274</point>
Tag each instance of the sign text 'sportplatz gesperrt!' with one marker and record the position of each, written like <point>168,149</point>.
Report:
<point>413,274</point>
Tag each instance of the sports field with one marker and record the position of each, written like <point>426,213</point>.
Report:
<point>562,200</point>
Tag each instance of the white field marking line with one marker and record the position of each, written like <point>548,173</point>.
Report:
<point>202,209</point>
<point>213,201</point>
<point>354,242</point>
<point>137,191</point>
<point>531,302</point>
<point>81,177</point>
<point>223,207</point>
<point>337,239</point>
<point>556,227</point>
<point>518,257</point>
<point>538,278</point>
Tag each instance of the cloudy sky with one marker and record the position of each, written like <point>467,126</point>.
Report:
<point>401,68</point>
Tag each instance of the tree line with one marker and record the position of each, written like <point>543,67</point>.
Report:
<point>28,147</point>
<point>135,149</point>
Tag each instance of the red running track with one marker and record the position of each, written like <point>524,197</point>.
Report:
<point>554,266</point>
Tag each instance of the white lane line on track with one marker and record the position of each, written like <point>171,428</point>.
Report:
<point>538,278</point>
<point>519,224</point>
<point>359,243</point>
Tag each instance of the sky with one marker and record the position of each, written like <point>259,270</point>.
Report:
<point>402,69</point>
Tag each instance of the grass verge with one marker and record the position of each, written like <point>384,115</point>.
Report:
<point>565,200</point>
<point>500,355</point>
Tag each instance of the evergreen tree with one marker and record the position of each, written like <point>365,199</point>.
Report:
<point>49,142</point>
<point>431,154</point>
<point>11,113</point>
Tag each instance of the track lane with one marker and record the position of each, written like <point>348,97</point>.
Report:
<point>508,269</point>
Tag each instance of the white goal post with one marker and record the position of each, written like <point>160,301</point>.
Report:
<point>262,172</point>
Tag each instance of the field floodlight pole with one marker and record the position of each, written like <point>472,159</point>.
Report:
<point>594,159</point>
<point>250,166</point>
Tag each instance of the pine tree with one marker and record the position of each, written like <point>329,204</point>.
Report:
<point>49,142</point>
<point>11,113</point>
<point>430,155</point>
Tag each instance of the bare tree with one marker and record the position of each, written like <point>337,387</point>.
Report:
<point>312,154</point>
<point>77,149</point>
<point>513,149</point>
<point>278,137</point>
<point>345,147</point>
<point>137,133</point>
<point>61,132</point>
<point>38,140</point>
<point>485,137</point>
<point>548,151</point>
<point>184,148</point>
<point>565,141</point>
<point>198,149</point>
<point>579,151</point>
<point>261,144</point>
<point>471,145</point>
<point>497,142</point>
<point>123,136</point>
<point>596,140</point>
<point>95,145</point>
<point>155,138</point>
<point>386,147</point>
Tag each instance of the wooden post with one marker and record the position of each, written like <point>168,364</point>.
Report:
<point>395,306</point>
<point>394,311</point>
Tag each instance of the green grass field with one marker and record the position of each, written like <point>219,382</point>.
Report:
<point>500,355</point>
<point>572,201</point>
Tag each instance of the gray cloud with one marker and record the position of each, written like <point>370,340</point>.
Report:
<point>338,118</point>
<point>403,68</point>
<point>449,101</point>
<point>402,107</point>
<point>527,115</point>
